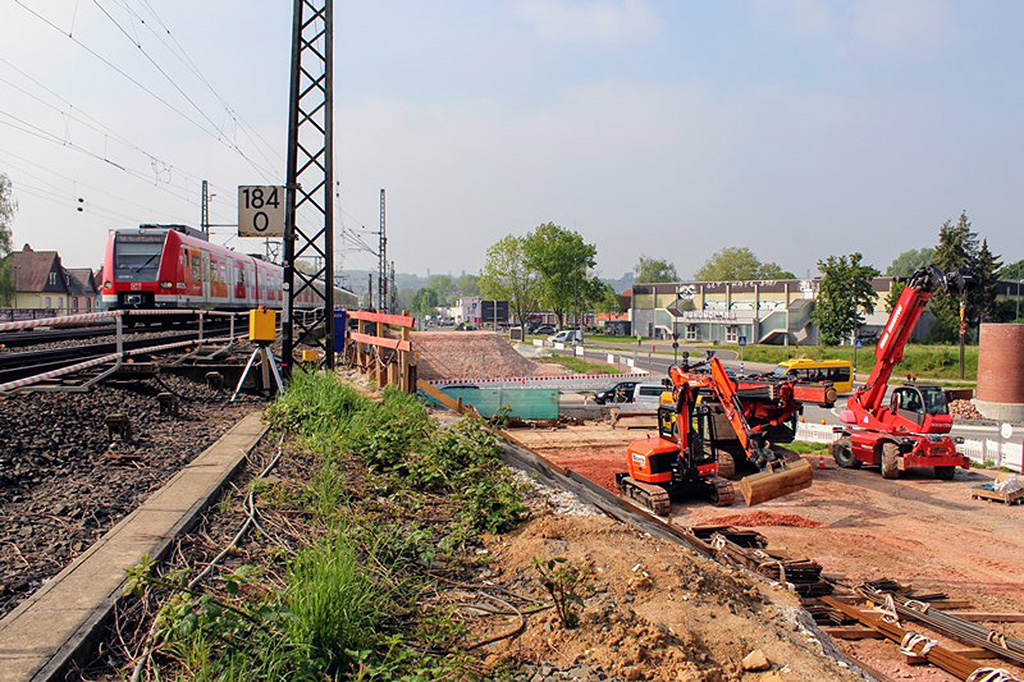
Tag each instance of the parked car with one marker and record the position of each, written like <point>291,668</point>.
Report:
<point>567,336</point>
<point>621,392</point>
<point>648,394</point>
<point>543,329</point>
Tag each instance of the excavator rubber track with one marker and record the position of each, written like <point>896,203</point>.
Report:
<point>724,493</point>
<point>654,497</point>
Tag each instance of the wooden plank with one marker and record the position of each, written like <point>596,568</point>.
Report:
<point>853,633</point>
<point>383,318</point>
<point>443,398</point>
<point>381,341</point>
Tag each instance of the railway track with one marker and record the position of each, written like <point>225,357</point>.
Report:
<point>34,337</point>
<point>22,364</point>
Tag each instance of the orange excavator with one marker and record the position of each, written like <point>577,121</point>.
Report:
<point>689,458</point>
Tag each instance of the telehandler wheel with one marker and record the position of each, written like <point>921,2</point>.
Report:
<point>843,454</point>
<point>890,460</point>
<point>945,473</point>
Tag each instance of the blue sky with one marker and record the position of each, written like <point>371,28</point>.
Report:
<point>798,128</point>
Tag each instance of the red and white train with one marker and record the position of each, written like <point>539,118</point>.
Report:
<point>174,266</point>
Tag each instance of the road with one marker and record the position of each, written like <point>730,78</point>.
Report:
<point>658,366</point>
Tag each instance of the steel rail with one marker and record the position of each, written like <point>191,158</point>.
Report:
<point>950,661</point>
<point>950,625</point>
<point>110,315</point>
<point>111,357</point>
<point>21,362</point>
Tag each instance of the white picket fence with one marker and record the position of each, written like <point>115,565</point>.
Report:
<point>1006,453</point>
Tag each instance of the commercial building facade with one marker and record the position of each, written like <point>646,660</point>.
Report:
<point>752,311</point>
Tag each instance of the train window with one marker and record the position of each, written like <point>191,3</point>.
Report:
<point>197,273</point>
<point>137,260</point>
<point>842,375</point>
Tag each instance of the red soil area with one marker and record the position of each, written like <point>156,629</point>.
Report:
<point>763,518</point>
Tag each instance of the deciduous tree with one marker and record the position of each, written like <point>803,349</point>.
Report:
<point>425,302</point>
<point>508,276</point>
<point>8,207</point>
<point>562,261</point>
<point>739,263</point>
<point>908,262</point>
<point>845,291</point>
<point>650,270</point>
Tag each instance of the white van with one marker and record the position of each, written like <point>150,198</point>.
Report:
<point>648,394</point>
<point>567,336</point>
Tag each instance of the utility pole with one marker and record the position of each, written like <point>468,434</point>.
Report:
<point>392,291</point>
<point>310,180</point>
<point>382,259</point>
<point>369,291</point>
<point>963,330</point>
<point>204,214</point>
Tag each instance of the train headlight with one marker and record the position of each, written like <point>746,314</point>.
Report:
<point>166,284</point>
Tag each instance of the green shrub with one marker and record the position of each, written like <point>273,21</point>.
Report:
<point>463,459</point>
<point>385,433</point>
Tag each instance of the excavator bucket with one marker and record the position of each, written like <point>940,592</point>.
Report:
<point>767,485</point>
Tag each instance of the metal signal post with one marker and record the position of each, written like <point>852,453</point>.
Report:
<point>309,217</point>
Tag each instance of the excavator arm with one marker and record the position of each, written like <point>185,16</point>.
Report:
<point>777,478</point>
<point>865,405</point>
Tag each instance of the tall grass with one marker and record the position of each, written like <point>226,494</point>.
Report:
<point>336,608</point>
<point>315,403</point>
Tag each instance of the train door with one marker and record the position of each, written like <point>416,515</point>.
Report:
<point>206,278</point>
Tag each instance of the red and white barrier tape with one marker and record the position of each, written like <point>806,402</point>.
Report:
<point>561,377</point>
<point>107,315</point>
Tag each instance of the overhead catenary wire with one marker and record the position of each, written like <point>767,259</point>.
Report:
<point>77,114</point>
<point>185,58</point>
<point>188,98</point>
<point>215,133</point>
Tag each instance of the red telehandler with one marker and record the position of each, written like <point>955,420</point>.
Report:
<point>690,458</point>
<point>909,431</point>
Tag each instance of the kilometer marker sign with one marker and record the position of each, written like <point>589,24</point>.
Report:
<point>261,210</point>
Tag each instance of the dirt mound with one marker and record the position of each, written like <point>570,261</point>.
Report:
<point>453,355</point>
<point>763,518</point>
<point>651,611</point>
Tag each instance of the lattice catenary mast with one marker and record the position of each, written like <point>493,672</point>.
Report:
<point>309,218</point>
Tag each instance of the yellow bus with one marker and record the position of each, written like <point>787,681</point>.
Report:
<point>839,372</point>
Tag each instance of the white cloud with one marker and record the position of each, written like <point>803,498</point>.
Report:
<point>606,22</point>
